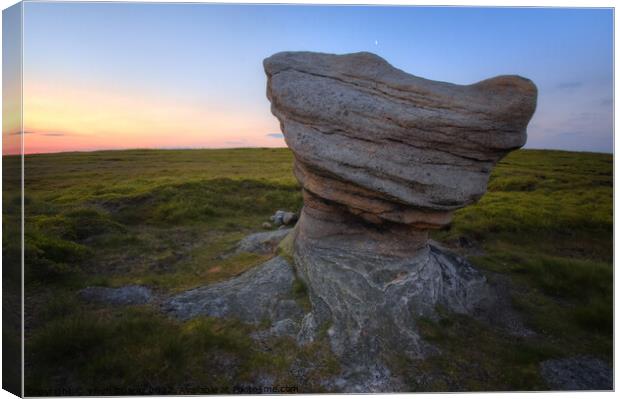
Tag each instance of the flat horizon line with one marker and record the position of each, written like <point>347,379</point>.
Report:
<point>238,148</point>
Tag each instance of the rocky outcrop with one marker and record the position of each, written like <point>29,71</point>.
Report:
<point>383,157</point>
<point>262,243</point>
<point>262,293</point>
<point>127,295</point>
<point>388,146</point>
<point>577,374</point>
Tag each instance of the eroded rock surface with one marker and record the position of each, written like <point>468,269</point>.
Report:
<point>128,295</point>
<point>284,218</point>
<point>262,243</point>
<point>390,146</point>
<point>383,157</point>
<point>262,293</point>
<point>577,373</point>
<point>372,302</point>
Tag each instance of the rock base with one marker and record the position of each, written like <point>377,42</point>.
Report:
<point>369,303</point>
<point>370,289</point>
<point>263,293</point>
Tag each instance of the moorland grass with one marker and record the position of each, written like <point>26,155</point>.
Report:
<point>164,218</point>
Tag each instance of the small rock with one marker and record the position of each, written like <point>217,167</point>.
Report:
<point>577,373</point>
<point>284,218</point>
<point>266,225</point>
<point>128,295</point>
<point>289,218</point>
<point>262,243</point>
<point>277,217</point>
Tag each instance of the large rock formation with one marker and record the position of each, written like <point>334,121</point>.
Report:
<point>387,146</point>
<point>383,157</point>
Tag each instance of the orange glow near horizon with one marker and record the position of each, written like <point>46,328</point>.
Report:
<point>60,117</point>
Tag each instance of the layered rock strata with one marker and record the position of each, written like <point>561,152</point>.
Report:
<point>383,157</point>
<point>389,146</point>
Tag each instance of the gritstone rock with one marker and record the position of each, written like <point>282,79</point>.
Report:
<point>383,157</point>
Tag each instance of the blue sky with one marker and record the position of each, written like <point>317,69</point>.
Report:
<point>190,75</point>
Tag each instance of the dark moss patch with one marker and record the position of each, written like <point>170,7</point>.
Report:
<point>300,293</point>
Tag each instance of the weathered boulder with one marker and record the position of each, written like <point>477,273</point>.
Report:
<point>383,157</point>
<point>262,293</point>
<point>127,295</point>
<point>284,218</point>
<point>577,374</point>
<point>262,243</point>
<point>389,146</point>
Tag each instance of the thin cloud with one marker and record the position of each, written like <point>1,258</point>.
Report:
<point>569,85</point>
<point>275,135</point>
<point>569,134</point>
<point>49,134</point>
<point>236,142</point>
<point>19,133</point>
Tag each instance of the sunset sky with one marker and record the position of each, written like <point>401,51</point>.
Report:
<point>107,76</point>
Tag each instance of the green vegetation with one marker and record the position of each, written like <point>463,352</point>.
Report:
<point>138,350</point>
<point>546,223</point>
<point>300,292</point>
<point>156,217</point>
<point>11,275</point>
<point>164,218</point>
<point>475,357</point>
